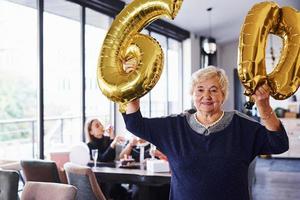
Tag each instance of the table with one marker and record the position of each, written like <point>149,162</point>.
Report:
<point>140,177</point>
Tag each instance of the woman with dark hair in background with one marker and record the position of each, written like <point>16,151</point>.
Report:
<point>106,146</point>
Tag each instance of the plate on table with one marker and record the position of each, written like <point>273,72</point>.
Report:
<point>102,164</point>
<point>130,166</point>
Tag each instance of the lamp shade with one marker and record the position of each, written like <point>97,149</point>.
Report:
<point>209,45</point>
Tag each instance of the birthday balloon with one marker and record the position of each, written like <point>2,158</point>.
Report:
<point>124,43</point>
<point>263,19</point>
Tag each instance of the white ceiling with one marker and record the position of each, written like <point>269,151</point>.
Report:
<point>227,16</point>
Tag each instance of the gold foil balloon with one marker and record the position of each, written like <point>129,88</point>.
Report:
<point>124,43</point>
<point>262,19</point>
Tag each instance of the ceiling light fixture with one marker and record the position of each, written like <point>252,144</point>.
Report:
<point>209,43</point>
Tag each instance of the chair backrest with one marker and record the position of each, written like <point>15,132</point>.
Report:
<point>84,179</point>
<point>48,191</point>
<point>60,158</point>
<point>40,171</point>
<point>9,182</point>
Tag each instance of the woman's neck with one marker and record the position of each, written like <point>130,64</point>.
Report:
<point>99,137</point>
<point>207,119</point>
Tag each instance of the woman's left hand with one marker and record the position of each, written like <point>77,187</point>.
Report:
<point>110,131</point>
<point>262,98</point>
<point>118,140</point>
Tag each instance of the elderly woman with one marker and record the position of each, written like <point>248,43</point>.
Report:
<point>209,151</point>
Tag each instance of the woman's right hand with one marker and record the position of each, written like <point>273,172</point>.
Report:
<point>118,140</point>
<point>130,65</point>
<point>110,131</point>
<point>133,106</point>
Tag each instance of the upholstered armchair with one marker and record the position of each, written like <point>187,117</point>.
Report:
<point>9,181</point>
<point>40,171</point>
<point>84,179</point>
<point>48,191</point>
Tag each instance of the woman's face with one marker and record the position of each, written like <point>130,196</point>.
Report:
<point>208,96</point>
<point>97,129</point>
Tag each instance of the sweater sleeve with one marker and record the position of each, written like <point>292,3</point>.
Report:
<point>90,149</point>
<point>154,130</point>
<point>271,142</point>
<point>108,155</point>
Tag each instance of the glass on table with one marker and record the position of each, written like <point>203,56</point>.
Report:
<point>95,156</point>
<point>152,151</point>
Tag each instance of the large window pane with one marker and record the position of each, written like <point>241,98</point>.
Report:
<point>97,105</point>
<point>18,78</point>
<point>145,100</point>
<point>145,105</point>
<point>62,74</point>
<point>158,94</point>
<point>174,76</point>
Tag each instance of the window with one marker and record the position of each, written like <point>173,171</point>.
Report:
<point>174,76</point>
<point>158,95</point>
<point>166,96</point>
<point>97,105</point>
<point>18,81</point>
<point>62,74</point>
<point>145,100</point>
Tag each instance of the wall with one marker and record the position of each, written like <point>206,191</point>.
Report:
<point>191,62</point>
<point>227,59</point>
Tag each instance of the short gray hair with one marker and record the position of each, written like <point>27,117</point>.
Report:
<point>208,73</point>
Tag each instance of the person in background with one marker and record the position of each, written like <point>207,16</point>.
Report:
<point>132,149</point>
<point>209,152</point>
<point>106,146</point>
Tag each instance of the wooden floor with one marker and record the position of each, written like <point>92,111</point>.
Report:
<point>275,185</point>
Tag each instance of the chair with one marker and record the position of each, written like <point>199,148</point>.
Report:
<point>9,182</point>
<point>85,180</point>
<point>48,191</point>
<point>40,171</point>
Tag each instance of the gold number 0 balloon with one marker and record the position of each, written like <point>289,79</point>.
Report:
<point>123,42</point>
<point>262,19</point>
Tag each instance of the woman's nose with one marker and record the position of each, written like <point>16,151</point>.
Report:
<point>206,94</point>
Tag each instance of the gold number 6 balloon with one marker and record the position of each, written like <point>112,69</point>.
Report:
<point>262,19</point>
<point>123,42</point>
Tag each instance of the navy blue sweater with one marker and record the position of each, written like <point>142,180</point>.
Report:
<point>208,164</point>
